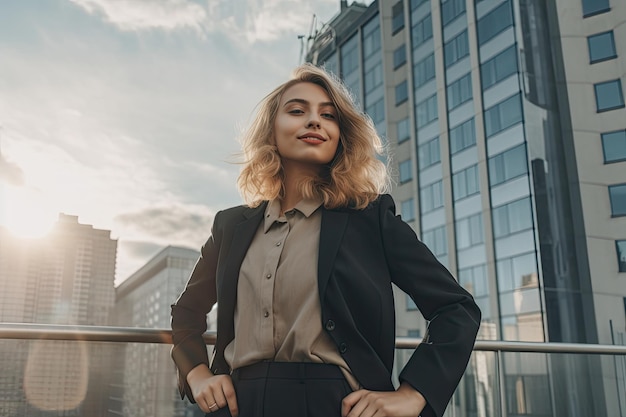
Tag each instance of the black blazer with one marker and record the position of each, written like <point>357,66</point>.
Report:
<point>361,253</point>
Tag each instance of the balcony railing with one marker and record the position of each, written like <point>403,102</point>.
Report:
<point>503,378</point>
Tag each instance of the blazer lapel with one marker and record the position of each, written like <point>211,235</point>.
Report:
<point>242,236</point>
<point>332,230</point>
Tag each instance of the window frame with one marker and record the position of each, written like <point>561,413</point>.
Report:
<point>603,137</point>
<point>618,82</point>
<point>604,58</point>
<point>622,212</point>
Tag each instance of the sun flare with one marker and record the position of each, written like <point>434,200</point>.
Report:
<point>25,211</point>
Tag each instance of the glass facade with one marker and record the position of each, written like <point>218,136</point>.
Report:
<point>492,190</point>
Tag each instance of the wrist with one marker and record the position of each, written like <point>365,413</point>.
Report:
<point>408,389</point>
<point>199,372</point>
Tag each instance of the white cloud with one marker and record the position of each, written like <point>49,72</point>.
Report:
<point>244,22</point>
<point>135,15</point>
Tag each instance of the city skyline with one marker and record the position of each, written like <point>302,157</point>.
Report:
<point>126,114</point>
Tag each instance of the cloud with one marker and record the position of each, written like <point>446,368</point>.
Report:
<point>133,15</point>
<point>244,22</point>
<point>175,223</point>
<point>10,172</point>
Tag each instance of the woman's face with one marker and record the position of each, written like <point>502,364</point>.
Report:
<point>306,128</point>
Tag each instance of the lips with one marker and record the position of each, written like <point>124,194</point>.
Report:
<point>313,138</point>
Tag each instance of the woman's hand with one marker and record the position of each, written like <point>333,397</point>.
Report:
<point>405,402</point>
<point>212,392</point>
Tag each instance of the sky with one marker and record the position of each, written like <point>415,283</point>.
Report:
<point>126,113</point>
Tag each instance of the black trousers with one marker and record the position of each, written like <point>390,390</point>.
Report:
<point>277,389</point>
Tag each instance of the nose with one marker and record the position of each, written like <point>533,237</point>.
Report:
<point>314,121</point>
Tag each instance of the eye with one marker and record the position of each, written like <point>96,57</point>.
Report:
<point>296,111</point>
<point>328,116</point>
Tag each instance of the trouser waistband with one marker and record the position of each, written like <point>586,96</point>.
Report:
<point>289,370</point>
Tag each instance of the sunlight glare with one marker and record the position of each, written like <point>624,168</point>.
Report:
<point>25,211</point>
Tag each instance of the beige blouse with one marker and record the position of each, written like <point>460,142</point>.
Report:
<point>278,313</point>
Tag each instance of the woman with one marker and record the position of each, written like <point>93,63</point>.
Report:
<point>302,277</point>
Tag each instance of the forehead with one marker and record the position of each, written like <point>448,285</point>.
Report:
<point>310,92</point>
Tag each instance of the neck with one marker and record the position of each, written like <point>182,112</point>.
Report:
<point>293,175</point>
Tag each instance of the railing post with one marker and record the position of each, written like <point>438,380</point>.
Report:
<point>500,383</point>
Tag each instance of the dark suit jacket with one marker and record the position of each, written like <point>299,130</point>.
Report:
<point>361,253</point>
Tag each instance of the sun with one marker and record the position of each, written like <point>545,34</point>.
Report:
<point>25,211</point>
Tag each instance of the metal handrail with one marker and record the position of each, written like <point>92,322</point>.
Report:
<point>164,336</point>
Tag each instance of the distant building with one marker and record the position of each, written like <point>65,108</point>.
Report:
<point>507,129</point>
<point>64,278</point>
<point>146,384</point>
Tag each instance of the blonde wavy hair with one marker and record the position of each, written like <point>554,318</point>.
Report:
<point>354,178</point>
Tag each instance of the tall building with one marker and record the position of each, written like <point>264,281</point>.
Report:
<point>64,278</point>
<point>507,130</point>
<point>145,384</point>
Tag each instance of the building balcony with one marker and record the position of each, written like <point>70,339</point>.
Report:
<point>58,370</point>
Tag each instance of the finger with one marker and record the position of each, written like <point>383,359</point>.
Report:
<point>350,400</point>
<point>231,397</point>
<point>218,395</point>
<point>203,403</point>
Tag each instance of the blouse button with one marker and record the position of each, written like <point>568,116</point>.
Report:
<point>330,325</point>
<point>343,348</point>
<point>266,314</point>
<point>268,276</point>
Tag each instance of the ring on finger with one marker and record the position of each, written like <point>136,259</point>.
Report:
<point>212,406</point>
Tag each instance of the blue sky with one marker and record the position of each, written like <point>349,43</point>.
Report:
<point>126,112</point>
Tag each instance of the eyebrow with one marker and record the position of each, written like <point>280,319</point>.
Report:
<point>306,102</point>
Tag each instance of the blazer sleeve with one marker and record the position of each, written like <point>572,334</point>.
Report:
<point>189,312</point>
<point>438,363</point>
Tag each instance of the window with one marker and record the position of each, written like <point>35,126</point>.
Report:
<point>601,47</point>
<point>451,9</point>
<point>508,165</point>
<point>371,38</point>
<point>517,272</point>
<point>373,77</point>
<point>474,279</point>
<point>469,231</point>
<point>413,332</point>
<point>609,95</point>
<point>376,111</point>
<point>499,67</point>
<point>405,171</point>
<point>456,48</point>
<point>429,153</point>
<point>399,56</point>
<point>407,210</point>
<point>593,7</point>
<point>462,136</point>
<point>410,305</point>
<point>435,240</point>
<point>397,18</point>
<point>503,115</point>
<point>402,92</point>
<point>422,31</point>
<point>459,91</point>
<point>417,3</point>
<point>432,196</point>
<point>465,182</point>
<point>617,194</point>
<point>620,245</point>
<point>426,111</point>
<point>424,71</point>
<point>403,130</point>
<point>614,146</point>
<point>349,57</point>
<point>495,22</point>
<point>512,218</point>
